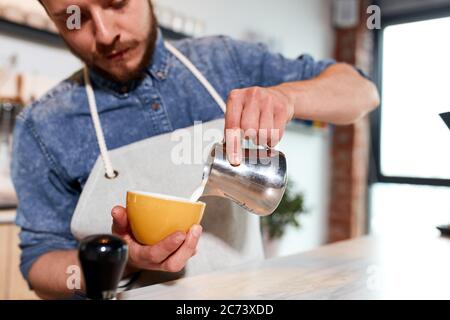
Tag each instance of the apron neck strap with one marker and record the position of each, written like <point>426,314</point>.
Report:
<point>110,173</point>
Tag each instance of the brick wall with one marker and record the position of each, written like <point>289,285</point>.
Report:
<point>350,144</point>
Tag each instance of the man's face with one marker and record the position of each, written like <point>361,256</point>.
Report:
<point>117,37</point>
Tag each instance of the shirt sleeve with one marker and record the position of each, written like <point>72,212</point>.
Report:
<point>257,66</point>
<point>45,202</point>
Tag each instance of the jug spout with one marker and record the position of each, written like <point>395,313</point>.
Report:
<point>210,191</point>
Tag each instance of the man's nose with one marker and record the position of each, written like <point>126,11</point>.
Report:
<point>105,33</point>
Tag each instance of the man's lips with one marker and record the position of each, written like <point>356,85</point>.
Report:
<point>118,54</point>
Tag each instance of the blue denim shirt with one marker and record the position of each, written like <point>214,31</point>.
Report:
<point>55,146</point>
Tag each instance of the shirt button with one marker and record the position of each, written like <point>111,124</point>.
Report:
<point>160,74</point>
<point>156,106</point>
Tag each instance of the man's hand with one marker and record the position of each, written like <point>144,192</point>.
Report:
<point>256,113</point>
<point>339,95</point>
<point>171,254</point>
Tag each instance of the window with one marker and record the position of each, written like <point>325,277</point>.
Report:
<point>415,85</point>
<point>411,142</point>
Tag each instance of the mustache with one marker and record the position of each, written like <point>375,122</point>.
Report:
<point>103,51</point>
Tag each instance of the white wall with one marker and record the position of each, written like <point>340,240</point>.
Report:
<point>307,152</point>
<point>297,26</point>
<point>42,66</point>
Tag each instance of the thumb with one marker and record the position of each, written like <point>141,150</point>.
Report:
<point>120,220</point>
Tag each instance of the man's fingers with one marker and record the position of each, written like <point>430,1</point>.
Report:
<point>232,127</point>
<point>120,221</point>
<point>265,126</point>
<point>250,120</point>
<point>233,146</point>
<point>160,251</point>
<point>279,124</point>
<point>177,261</point>
<point>234,110</point>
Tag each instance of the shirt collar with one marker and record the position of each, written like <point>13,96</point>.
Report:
<point>157,68</point>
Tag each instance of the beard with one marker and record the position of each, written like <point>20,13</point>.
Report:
<point>129,75</point>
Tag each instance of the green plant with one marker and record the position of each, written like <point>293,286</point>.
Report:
<point>287,213</point>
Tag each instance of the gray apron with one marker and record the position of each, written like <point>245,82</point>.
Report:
<point>231,234</point>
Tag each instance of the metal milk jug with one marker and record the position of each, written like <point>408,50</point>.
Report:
<point>257,184</point>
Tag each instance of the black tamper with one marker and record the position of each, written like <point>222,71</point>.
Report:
<point>103,260</point>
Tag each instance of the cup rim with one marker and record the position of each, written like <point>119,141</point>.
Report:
<point>164,196</point>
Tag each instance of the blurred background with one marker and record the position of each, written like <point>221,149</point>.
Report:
<point>387,174</point>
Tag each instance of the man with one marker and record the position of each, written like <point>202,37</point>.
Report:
<point>139,95</point>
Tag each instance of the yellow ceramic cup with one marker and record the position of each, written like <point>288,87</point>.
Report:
<point>153,216</point>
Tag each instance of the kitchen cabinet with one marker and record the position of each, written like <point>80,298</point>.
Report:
<point>12,284</point>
